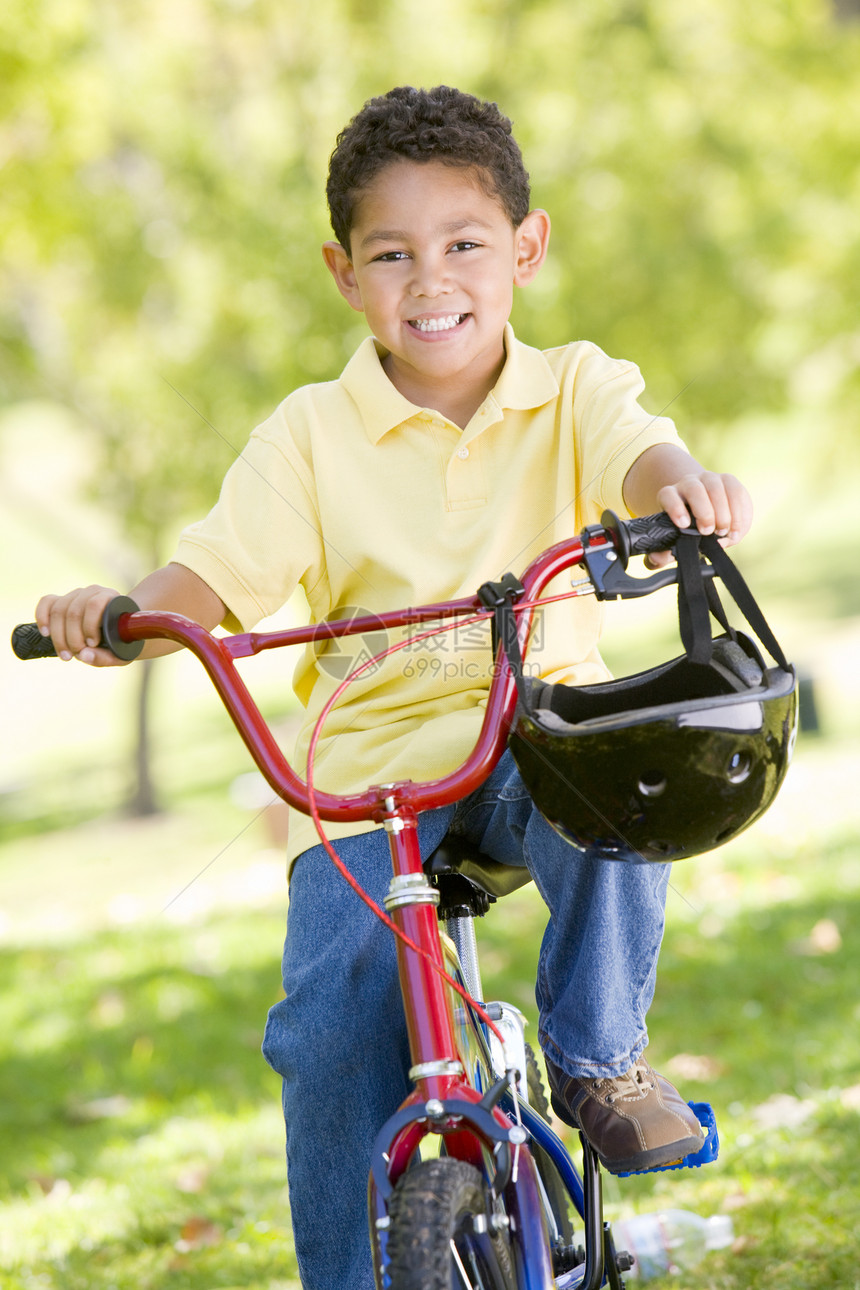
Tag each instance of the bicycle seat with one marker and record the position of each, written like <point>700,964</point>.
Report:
<point>455,855</point>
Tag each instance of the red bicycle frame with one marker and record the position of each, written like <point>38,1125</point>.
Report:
<point>442,1101</point>
<point>217,654</point>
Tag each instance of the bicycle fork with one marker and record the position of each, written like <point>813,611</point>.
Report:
<point>586,1192</point>
<point>443,1101</point>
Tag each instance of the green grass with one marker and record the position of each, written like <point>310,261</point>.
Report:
<point>141,1141</point>
<point>142,1138</point>
<point>141,1130</point>
<point>757,1012</point>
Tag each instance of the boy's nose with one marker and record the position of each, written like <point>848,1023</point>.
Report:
<point>429,280</point>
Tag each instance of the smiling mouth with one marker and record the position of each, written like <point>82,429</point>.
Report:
<point>445,323</point>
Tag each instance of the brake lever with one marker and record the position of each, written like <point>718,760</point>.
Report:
<point>607,565</point>
<point>611,581</point>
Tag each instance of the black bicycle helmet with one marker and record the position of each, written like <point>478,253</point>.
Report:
<point>676,760</point>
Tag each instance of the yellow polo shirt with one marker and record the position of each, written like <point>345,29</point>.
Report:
<point>371,503</point>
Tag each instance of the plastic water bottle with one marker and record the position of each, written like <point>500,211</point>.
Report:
<point>670,1241</point>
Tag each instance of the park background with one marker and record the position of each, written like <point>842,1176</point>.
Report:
<point>161,288</point>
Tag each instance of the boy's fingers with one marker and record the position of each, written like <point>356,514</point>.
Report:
<point>714,501</point>
<point>43,614</point>
<point>717,504</point>
<point>741,506</point>
<point>91,622</point>
<point>71,610</point>
<point>671,499</point>
<point>51,622</point>
<point>100,658</point>
<point>712,509</point>
<point>727,512</point>
<point>56,625</point>
<point>73,622</point>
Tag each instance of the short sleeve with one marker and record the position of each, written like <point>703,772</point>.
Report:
<point>612,430</point>
<point>262,538</point>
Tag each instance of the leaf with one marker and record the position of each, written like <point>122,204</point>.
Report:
<point>694,1066</point>
<point>197,1233</point>
<point>850,1097</point>
<point>113,1107</point>
<point>192,1179</point>
<point>825,938</point>
<point>782,1111</point>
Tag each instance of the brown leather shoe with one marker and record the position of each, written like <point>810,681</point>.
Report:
<point>633,1121</point>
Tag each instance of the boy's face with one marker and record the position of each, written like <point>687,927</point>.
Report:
<point>432,263</point>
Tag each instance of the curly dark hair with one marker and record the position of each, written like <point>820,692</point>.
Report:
<point>442,124</point>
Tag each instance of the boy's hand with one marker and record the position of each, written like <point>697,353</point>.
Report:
<point>73,623</point>
<point>666,478</point>
<point>718,503</point>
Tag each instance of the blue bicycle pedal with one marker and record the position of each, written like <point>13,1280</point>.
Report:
<point>708,1151</point>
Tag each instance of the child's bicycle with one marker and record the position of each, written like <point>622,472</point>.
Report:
<point>469,1185</point>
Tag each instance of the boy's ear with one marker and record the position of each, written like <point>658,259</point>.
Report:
<point>532,240</point>
<point>340,267</point>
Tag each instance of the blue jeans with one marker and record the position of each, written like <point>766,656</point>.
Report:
<point>338,1039</point>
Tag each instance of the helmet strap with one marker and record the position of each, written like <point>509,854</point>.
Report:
<point>698,599</point>
<point>694,612</point>
<point>500,597</point>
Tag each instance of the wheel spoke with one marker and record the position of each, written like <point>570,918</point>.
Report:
<point>439,1237</point>
<point>455,1255</point>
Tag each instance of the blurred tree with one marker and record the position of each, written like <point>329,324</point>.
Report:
<point>699,162</point>
<point>161,207</point>
<point>160,204</point>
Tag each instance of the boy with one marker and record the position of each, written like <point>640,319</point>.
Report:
<point>445,454</point>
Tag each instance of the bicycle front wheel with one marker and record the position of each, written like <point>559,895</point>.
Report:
<point>555,1192</point>
<point>442,1233</point>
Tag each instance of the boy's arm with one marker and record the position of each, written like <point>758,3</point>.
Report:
<point>666,478</point>
<point>73,621</point>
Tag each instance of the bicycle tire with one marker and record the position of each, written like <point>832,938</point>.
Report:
<point>434,1241</point>
<point>556,1192</point>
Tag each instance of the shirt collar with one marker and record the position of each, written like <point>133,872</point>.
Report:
<point>526,381</point>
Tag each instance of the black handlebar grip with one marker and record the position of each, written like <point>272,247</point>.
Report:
<point>651,533</point>
<point>28,642</point>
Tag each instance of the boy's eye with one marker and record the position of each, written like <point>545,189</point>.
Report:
<point>391,257</point>
<point>465,246</point>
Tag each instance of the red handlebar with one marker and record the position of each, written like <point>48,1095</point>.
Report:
<point>604,547</point>
<point>217,654</point>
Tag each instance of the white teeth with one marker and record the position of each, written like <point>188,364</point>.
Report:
<point>436,324</point>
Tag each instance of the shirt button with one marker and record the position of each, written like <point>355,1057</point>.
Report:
<point>462,453</point>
